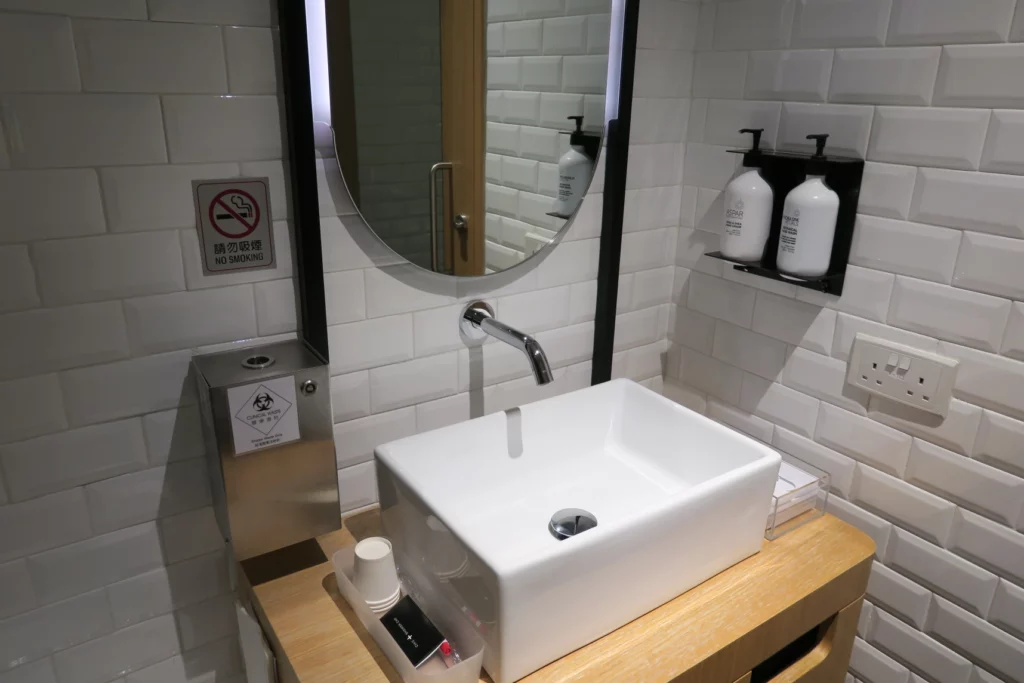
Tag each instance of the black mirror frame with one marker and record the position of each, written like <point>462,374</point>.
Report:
<point>298,112</point>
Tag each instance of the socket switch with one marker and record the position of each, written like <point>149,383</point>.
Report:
<point>901,373</point>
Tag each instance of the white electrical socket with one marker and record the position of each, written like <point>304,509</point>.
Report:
<point>902,373</point>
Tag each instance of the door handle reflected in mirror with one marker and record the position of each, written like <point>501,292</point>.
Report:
<point>441,165</point>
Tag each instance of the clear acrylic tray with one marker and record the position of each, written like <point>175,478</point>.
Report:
<point>449,620</point>
<point>801,493</point>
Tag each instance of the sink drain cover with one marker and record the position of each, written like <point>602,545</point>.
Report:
<point>570,522</point>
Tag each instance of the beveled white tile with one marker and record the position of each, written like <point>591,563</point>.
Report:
<point>659,120</point>
<point>985,202</point>
<point>52,463</point>
<point>698,119</point>
<point>719,74</point>
<point>987,380</point>
<point>131,387</point>
<point>824,378</point>
<point>988,544</point>
<point>922,653</point>
<point>173,435</point>
<point>51,339</point>
<point>1013,340</point>
<point>969,483</point>
<point>727,117</point>
<point>871,665</point>
<point>948,313</point>
<point>662,73</point>
<point>956,431</point>
<point>239,12</point>
<point>981,76</point>
<point>753,24</point>
<point>33,406</point>
<point>684,396</point>
<point>357,486</point>
<point>923,251</point>
<point>667,25</point>
<point>152,197</point>
<point>190,534</point>
<point>709,166</point>
<point>276,307</point>
<point>847,125</point>
<point>251,60</point>
<point>995,649</point>
<point>108,267</point>
<point>929,137</point>
<point>998,442</point>
<point>120,652</point>
<point>220,660</point>
<point>749,351</point>
<point>206,621</point>
<point>17,280</point>
<point>355,440</point>
<point>721,299</point>
<point>370,343</point>
<point>652,287</point>
<point>16,592</point>
<point>840,23</point>
<point>43,50</point>
<point>780,405</point>
<point>110,9</point>
<point>794,322</point>
<point>886,190</point>
<point>1008,608</point>
<point>50,131</point>
<point>29,215</point>
<point>101,560</point>
<point>691,247</point>
<point>122,56</point>
<point>941,571</point>
<point>1004,146</point>
<point>793,75</point>
<point>848,326</point>
<point>898,594</point>
<point>144,496</point>
<point>345,296</point>
<point>877,528</point>
<point>189,319</point>
<point>350,396</point>
<point>655,165</point>
<point>43,523</point>
<point>695,330</point>
<point>863,439</point>
<point>226,128</point>
<point>991,264</point>
<point>424,379</point>
<point>711,376</point>
<point>41,632</point>
<point>740,420</point>
<point>925,514</point>
<point>931,22</point>
<point>866,294</point>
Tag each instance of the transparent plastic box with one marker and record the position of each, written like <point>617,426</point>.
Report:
<point>801,493</point>
<point>446,617</point>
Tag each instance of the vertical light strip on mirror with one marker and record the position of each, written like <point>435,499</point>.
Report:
<point>611,99</point>
<point>319,73</point>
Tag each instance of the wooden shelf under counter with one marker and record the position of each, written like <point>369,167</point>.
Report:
<point>799,597</point>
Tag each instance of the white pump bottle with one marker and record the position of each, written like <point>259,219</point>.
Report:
<point>809,221</point>
<point>747,214</point>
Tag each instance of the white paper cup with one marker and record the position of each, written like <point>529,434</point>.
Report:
<point>374,574</point>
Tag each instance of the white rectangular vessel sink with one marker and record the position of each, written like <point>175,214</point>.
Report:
<point>677,498</point>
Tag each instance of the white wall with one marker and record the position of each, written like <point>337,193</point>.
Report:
<point>111,565</point>
<point>546,61</point>
<point>929,92</point>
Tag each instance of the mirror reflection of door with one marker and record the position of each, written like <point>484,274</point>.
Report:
<point>486,91</point>
<point>407,79</point>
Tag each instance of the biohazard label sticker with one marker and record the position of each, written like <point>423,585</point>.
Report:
<point>235,230</point>
<point>263,414</point>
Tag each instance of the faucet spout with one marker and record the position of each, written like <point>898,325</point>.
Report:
<point>478,317</point>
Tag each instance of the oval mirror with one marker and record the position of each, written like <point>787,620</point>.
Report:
<point>467,131</point>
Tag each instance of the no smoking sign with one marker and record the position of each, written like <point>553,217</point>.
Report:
<point>235,231</point>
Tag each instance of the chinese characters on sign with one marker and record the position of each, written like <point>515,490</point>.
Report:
<point>235,228</point>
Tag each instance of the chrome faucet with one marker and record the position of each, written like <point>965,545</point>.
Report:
<point>478,321</point>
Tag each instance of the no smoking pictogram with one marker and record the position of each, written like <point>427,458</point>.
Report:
<point>234,213</point>
<point>235,226</point>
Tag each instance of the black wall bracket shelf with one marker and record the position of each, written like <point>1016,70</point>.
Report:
<point>784,171</point>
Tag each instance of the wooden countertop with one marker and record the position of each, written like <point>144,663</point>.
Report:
<point>718,630</point>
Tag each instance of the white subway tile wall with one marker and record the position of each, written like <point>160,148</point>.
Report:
<point>547,61</point>
<point>112,564</point>
<point>929,93</point>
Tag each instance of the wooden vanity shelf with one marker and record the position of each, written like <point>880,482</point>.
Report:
<point>784,615</point>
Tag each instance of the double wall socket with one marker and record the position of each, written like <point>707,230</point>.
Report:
<point>902,373</point>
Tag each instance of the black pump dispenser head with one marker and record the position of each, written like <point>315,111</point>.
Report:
<point>817,165</point>
<point>577,137</point>
<point>752,157</point>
